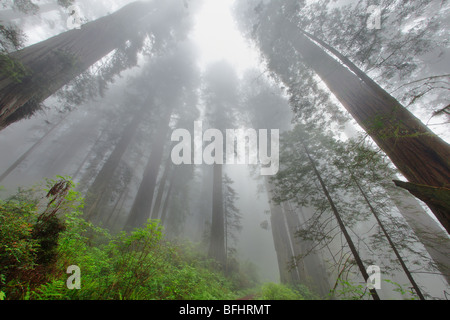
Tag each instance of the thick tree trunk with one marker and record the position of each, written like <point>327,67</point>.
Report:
<point>52,63</point>
<point>140,211</point>
<point>217,241</point>
<point>420,155</point>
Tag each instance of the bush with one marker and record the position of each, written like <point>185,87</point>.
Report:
<point>18,248</point>
<point>275,291</point>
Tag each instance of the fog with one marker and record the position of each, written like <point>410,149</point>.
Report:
<point>100,97</point>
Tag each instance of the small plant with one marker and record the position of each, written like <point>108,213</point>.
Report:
<point>405,293</point>
<point>275,291</point>
<point>347,290</point>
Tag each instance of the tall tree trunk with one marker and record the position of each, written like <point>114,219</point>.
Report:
<point>280,238</point>
<point>52,63</point>
<point>114,212</point>
<point>206,201</point>
<point>95,195</point>
<point>161,188</point>
<point>167,199</point>
<point>391,243</point>
<point>292,223</point>
<point>420,155</point>
<point>119,210</point>
<point>344,231</point>
<point>140,211</point>
<point>217,240</point>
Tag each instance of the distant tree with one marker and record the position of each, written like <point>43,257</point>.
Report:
<point>221,98</point>
<point>233,216</point>
<point>173,79</point>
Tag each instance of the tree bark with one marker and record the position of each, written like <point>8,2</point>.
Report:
<point>52,63</point>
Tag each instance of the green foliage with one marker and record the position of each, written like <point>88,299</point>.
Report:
<point>405,293</point>
<point>12,68</point>
<point>36,249</point>
<point>18,248</point>
<point>347,290</point>
<point>275,291</point>
<point>29,239</point>
<point>136,265</point>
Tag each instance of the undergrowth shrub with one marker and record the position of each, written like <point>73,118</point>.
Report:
<point>276,291</point>
<point>40,239</point>
<point>18,249</point>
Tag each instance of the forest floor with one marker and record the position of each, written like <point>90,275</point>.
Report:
<point>248,297</point>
